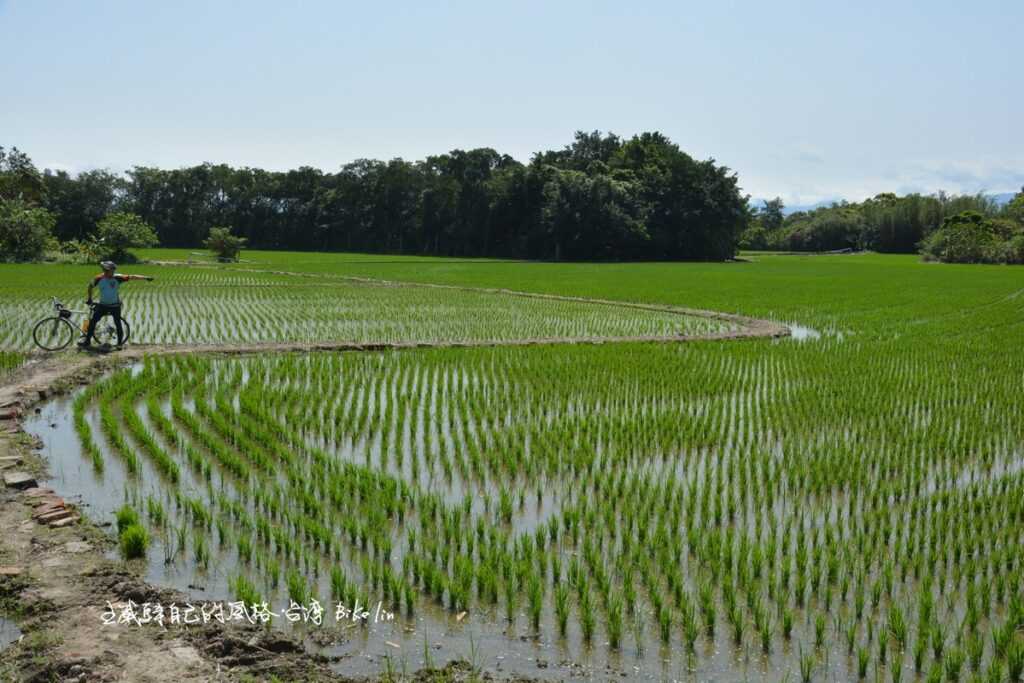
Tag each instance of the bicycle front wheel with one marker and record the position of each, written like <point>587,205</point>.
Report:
<point>53,334</point>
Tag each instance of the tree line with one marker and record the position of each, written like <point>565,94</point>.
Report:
<point>599,198</point>
<point>892,224</point>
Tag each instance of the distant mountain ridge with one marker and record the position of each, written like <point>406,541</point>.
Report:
<point>1001,199</point>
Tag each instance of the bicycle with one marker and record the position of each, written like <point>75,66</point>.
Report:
<point>56,332</point>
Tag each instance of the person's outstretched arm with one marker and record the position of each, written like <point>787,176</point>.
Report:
<point>126,278</point>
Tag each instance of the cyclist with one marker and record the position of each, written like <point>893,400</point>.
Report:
<point>109,283</point>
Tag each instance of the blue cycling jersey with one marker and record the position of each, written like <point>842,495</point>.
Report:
<point>109,286</point>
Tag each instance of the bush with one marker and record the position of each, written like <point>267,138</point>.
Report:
<point>121,231</point>
<point>970,237</point>
<point>86,250</point>
<point>1013,249</point>
<point>134,541</point>
<point>224,244</point>
<point>824,230</point>
<point>25,231</point>
<point>1015,209</point>
<point>758,238</point>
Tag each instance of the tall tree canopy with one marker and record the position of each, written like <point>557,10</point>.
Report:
<point>600,197</point>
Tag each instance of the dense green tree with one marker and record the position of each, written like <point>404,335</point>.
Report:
<point>121,231</point>
<point>585,149</point>
<point>757,238</point>
<point>696,211</point>
<point>224,244</point>
<point>25,230</point>
<point>80,202</point>
<point>19,178</point>
<point>972,237</point>
<point>771,214</point>
<point>592,215</point>
<point>1015,208</point>
<point>839,228</point>
<point>514,196</point>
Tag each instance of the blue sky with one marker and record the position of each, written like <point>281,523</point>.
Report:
<point>807,100</point>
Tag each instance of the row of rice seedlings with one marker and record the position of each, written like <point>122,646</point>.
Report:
<point>170,433</point>
<point>111,429</point>
<point>10,361</point>
<point>232,436</point>
<point>225,457</point>
<point>165,464</point>
<point>84,431</point>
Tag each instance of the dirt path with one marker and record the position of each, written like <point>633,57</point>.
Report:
<point>41,369</point>
<point>55,583</point>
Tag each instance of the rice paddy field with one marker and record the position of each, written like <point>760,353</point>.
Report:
<point>203,305</point>
<point>844,505</point>
<point>9,361</point>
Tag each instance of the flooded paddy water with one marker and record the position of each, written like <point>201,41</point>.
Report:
<point>431,636</point>
<point>9,633</point>
<point>582,514</point>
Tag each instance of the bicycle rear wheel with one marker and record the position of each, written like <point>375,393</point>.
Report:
<point>53,334</point>
<point>106,331</point>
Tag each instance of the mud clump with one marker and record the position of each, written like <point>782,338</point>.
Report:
<point>69,670</point>
<point>109,578</point>
<point>18,596</point>
<point>259,652</point>
<point>140,592</point>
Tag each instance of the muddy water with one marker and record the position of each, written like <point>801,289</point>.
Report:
<point>9,633</point>
<point>432,636</point>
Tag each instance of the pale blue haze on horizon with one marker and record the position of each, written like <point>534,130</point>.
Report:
<point>806,100</point>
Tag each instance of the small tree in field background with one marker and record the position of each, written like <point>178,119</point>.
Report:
<point>224,244</point>
<point>121,231</point>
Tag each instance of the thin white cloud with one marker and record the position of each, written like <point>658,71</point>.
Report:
<point>797,187</point>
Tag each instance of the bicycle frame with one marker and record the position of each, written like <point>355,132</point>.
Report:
<point>62,311</point>
<point>56,332</point>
